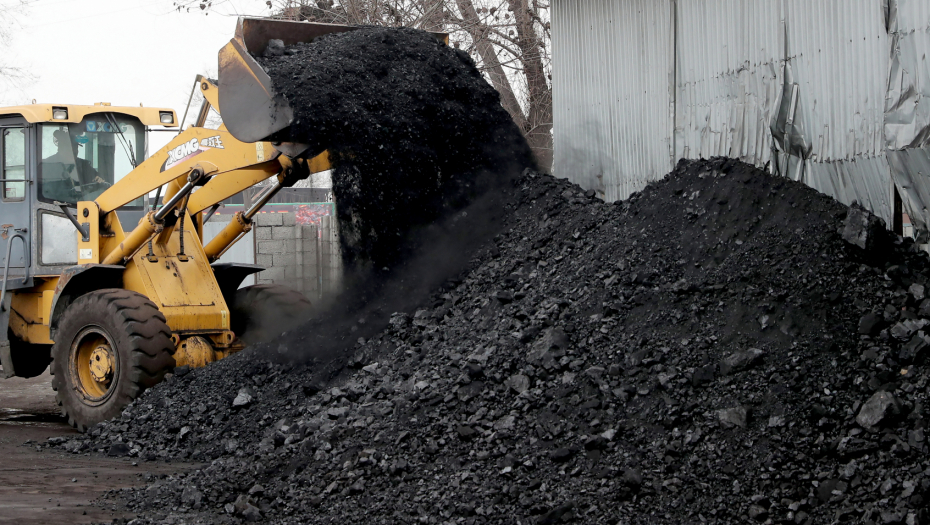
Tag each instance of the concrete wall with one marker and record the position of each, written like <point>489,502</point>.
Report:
<point>302,256</point>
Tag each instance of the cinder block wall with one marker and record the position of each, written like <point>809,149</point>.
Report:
<point>304,257</point>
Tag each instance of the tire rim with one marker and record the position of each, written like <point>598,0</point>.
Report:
<point>94,365</point>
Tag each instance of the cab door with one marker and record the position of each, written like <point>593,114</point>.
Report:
<point>15,195</point>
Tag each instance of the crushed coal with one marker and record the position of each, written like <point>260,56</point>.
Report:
<point>709,350</point>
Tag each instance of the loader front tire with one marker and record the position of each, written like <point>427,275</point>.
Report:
<point>111,345</point>
<point>262,311</point>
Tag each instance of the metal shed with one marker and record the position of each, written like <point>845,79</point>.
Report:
<point>834,93</point>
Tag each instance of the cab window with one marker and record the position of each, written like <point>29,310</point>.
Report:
<point>78,162</point>
<point>13,153</point>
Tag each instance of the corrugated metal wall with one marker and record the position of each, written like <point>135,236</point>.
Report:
<point>823,91</point>
<point>907,106</point>
<point>613,96</point>
<point>836,51</point>
<point>728,79</point>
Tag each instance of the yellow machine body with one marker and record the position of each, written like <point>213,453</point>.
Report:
<point>98,323</point>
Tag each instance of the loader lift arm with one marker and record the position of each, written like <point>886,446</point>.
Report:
<point>216,163</point>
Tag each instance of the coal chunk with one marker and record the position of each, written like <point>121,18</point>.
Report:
<point>474,370</point>
<point>519,383</point>
<point>924,310</point>
<point>466,432</point>
<point>275,48</point>
<point>632,477</point>
<point>880,407</point>
<point>118,450</point>
<point>863,229</point>
<point>504,297</point>
<point>758,513</point>
<point>740,360</point>
<point>561,455</point>
<point>251,513</point>
<point>870,323</point>
<point>191,497</point>
<point>559,514</point>
<point>704,375</point>
<point>733,417</point>
<point>243,398</point>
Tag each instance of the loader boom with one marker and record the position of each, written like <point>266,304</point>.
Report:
<point>225,167</point>
<point>163,257</point>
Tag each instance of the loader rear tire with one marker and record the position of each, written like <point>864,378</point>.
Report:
<point>29,360</point>
<point>111,345</point>
<point>262,311</point>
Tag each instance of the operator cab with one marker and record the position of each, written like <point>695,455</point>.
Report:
<point>58,155</point>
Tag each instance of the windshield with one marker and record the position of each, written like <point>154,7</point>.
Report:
<point>80,161</point>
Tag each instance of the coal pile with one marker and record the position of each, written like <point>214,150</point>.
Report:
<point>413,130</point>
<point>723,347</point>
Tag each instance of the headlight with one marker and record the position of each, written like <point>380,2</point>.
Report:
<point>166,117</point>
<point>60,113</point>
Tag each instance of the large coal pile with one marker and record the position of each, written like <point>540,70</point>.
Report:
<point>412,128</point>
<point>710,350</point>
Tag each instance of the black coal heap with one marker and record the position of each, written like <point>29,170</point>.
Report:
<point>709,350</point>
<point>421,149</point>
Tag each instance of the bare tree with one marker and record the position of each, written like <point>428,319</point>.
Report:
<point>13,78</point>
<point>482,43</point>
<point>534,57</point>
<point>195,96</point>
<point>509,40</point>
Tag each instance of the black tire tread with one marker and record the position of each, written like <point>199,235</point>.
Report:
<point>149,350</point>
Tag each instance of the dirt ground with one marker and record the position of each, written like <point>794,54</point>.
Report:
<point>46,486</point>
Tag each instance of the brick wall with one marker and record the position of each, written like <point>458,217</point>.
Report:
<point>304,257</point>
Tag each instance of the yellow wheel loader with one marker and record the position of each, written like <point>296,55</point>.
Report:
<point>113,310</point>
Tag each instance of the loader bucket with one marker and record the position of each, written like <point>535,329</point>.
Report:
<point>253,110</point>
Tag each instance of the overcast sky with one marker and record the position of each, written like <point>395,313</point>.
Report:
<point>125,52</point>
